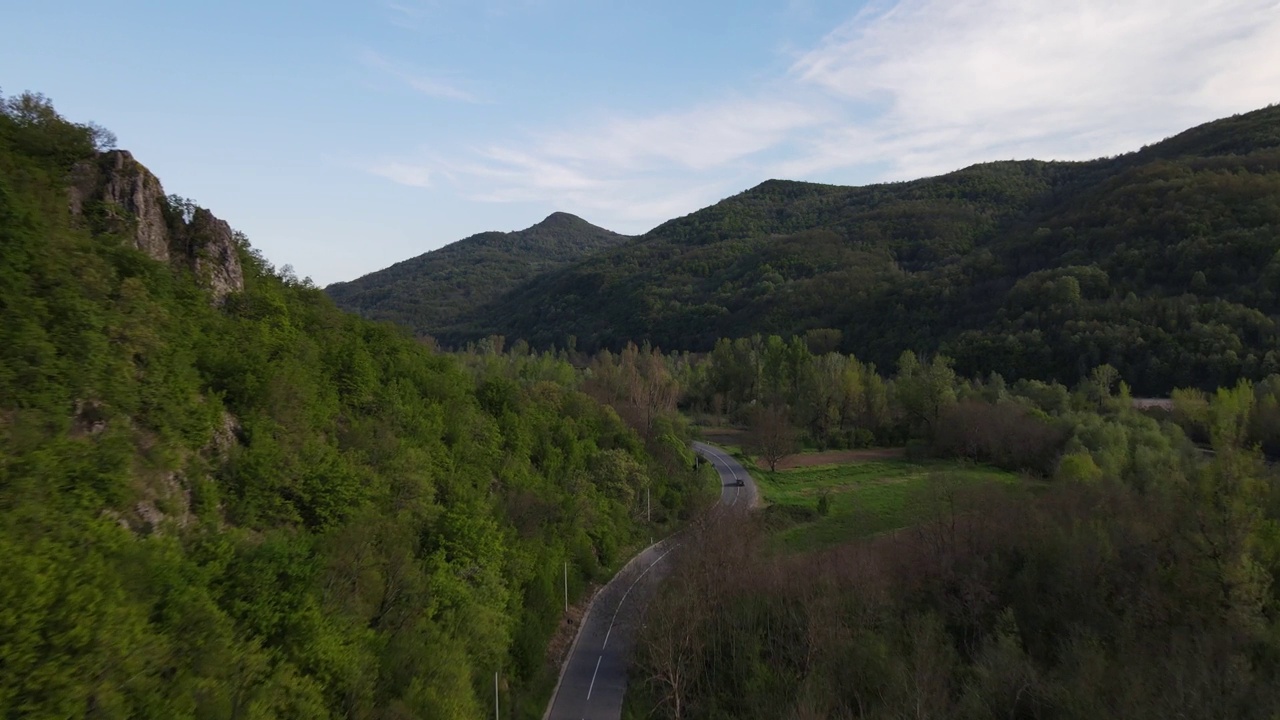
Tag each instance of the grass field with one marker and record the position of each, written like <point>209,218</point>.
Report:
<point>865,497</point>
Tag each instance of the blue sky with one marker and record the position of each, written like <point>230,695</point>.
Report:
<point>342,137</point>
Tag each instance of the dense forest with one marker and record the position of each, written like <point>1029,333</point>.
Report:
<point>1131,573</point>
<point>428,293</point>
<point>1164,263</point>
<point>221,497</point>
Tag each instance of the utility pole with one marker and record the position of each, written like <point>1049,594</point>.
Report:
<point>648,513</point>
<point>495,695</point>
<point>566,586</point>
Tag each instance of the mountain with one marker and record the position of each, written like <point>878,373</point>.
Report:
<point>426,293</point>
<point>1164,263</point>
<point>221,496</point>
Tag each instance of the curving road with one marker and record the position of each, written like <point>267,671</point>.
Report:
<point>594,677</point>
<point>744,497</point>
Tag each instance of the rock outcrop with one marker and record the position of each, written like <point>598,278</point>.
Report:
<point>115,193</point>
<point>208,247</point>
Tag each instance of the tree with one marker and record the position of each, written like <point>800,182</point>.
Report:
<point>637,383</point>
<point>1100,385</point>
<point>770,435</point>
<point>672,652</point>
<point>823,340</point>
<point>40,132</point>
<point>823,396</point>
<point>924,391</point>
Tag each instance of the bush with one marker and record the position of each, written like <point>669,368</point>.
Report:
<point>1004,434</point>
<point>781,517</point>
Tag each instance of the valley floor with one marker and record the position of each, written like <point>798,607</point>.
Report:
<point>817,500</point>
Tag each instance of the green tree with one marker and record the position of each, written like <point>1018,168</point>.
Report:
<point>924,390</point>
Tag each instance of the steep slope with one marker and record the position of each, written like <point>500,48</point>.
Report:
<point>1164,262</point>
<point>222,497</point>
<point>426,293</point>
<point>114,194</point>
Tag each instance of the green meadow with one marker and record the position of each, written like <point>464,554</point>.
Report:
<point>863,498</point>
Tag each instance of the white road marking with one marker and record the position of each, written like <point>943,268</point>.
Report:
<point>628,592</point>
<point>616,610</point>
<point>592,686</point>
<point>717,459</point>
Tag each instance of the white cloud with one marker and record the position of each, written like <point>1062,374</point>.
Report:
<point>402,173</point>
<point>428,85</point>
<point>903,90</point>
<point>699,139</point>
<point>632,172</point>
<point>626,201</point>
<point>950,82</point>
<point>410,14</point>
<point>417,14</point>
<point>405,11</point>
<point>536,171</point>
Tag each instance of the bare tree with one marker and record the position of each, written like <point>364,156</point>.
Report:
<point>771,435</point>
<point>637,383</point>
<point>672,645</point>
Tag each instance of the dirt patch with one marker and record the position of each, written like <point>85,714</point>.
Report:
<point>723,435</point>
<point>840,457</point>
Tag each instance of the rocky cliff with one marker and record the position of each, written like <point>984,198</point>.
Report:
<point>116,193</point>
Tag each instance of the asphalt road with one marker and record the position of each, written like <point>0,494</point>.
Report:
<point>594,678</point>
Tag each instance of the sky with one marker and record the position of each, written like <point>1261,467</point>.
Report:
<point>342,137</point>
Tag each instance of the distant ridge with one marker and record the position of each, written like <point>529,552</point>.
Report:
<point>427,293</point>
<point>1164,262</point>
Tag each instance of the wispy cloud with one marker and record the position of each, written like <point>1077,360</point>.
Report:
<point>902,90</point>
<point>409,14</point>
<point>948,82</point>
<point>635,171</point>
<point>699,139</point>
<point>414,14</point>
<point>429,85</point>
<point>413,175</point>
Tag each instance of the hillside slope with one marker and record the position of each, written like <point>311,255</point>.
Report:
<point>1164,262</point>
<point>426,293</point>
<point>221,497</point>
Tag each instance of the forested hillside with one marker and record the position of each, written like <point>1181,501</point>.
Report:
<point>428,293</point>
<point>221,497</point>
<point>1164,263</point>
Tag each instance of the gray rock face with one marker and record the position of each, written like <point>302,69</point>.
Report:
<point>210,251</point>
<point>116,193</point>
<point>128,194</point>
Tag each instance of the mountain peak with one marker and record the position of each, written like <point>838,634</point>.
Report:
<point>430,293</point>
<point>560,220</point>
